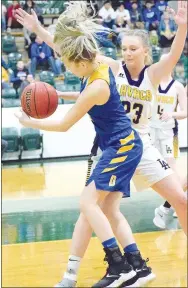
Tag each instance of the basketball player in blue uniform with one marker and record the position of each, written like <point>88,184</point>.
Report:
<point>120,145</point>
<point>140,121</point>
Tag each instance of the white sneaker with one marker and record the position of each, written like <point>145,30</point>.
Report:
<point>160,217</point>
<point>175,215</point>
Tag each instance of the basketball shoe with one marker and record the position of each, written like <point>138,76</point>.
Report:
<point>160,218</point>
<point>143,273</point>
<point>118,270</point>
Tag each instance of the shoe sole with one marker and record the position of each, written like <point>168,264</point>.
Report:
<point>146,280</point>
<point>136,284</point>
<point>124,277</point>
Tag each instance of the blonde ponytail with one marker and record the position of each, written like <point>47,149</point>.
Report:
<point>75,33</point>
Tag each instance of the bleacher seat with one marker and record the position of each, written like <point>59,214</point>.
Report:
<point>8,103</point>
<point>48,77</point>
<point>13,58</point>
<point>9,44</point>
<point>109,52</point>
<point>11,135</point>
<point>31,139</point>
<point>9,93</point>
<point>71,78</point>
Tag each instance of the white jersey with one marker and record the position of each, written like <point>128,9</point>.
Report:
<point>167,101</point>
<point>137,96</point>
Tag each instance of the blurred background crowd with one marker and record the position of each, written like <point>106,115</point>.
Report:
<point>25,57</point>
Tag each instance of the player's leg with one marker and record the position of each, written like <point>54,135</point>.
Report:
<point>170,189</point>
<point>93,215</point>
<point>123,232</point>
<point>169,152</point>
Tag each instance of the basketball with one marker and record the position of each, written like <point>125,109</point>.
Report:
<point>39,100</point>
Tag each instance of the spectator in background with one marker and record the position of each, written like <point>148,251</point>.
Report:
<point>151,17</point>
<point>29,79</point>
<point>136,17</point>
<point>4,78</point>
<point>11,11</point>
<point>161,6</point>
<point>19,75</point>
<point>41,54</point>
<point>30,4</point>
<point>3,17</point>
<point>107,14</point>
<point>119,27</point>
<point>153,37</point>
<point>185,59</point>
<point>167,30</point>
<point>124,14</point>
<point>128,4</point>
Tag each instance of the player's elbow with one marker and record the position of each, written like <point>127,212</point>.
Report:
<point>63,127</point>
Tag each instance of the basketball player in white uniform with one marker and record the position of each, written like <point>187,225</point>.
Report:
<point>153,169</point>
<point>164,132</point>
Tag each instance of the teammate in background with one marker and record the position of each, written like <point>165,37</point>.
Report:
<point>164,132</point>
<point>137,85</point>
<point>120,144</point>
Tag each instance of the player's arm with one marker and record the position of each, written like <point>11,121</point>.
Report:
<point>97,93</point>
<point>31,23</point>
<point>165,66</point>
<point>182,100</point>
<point>113,64</point>
<point>68,95</point>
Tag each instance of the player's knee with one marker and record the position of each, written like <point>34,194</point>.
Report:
<point>110,211</point>
<point>181,202</point>
<point>85,205</point>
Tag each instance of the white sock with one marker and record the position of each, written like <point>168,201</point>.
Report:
<point>73,267</point>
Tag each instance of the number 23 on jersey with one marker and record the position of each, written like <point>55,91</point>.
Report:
<point>137,108</point>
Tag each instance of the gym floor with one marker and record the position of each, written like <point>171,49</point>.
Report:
<point>40,207</point>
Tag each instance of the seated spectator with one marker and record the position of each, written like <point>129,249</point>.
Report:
<point>153,37</point>
<point>19,75</point>
<point>151,17</point>
<point>107,14</point>
<point>28,80</point>
<point>29,4</point>
<point>12,22</point>
<point>167,30</point>
<point>123,13</point>
<point>161,6</point>
<point>128,4</point>
<point>136,17</point>
<point>41,54</point>
<point>119,28</point>
<point>4,78</point>
<point>3,17</point>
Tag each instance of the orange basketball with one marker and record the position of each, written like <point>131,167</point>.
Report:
<point>39,100</point>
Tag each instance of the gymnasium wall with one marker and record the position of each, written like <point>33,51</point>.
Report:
<point>78,140</point>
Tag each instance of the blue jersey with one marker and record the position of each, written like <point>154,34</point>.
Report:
<point>109,119</point>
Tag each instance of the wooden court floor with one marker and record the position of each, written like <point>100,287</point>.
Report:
<point>42,262</point>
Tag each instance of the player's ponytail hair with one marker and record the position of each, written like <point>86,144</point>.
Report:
<point>76,33</point>
<point>143,35</point>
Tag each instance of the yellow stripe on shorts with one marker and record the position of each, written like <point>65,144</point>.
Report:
<point>124,149</point>
<point>127,139</point>
<point>118,160</point>
<point>109,169</point>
